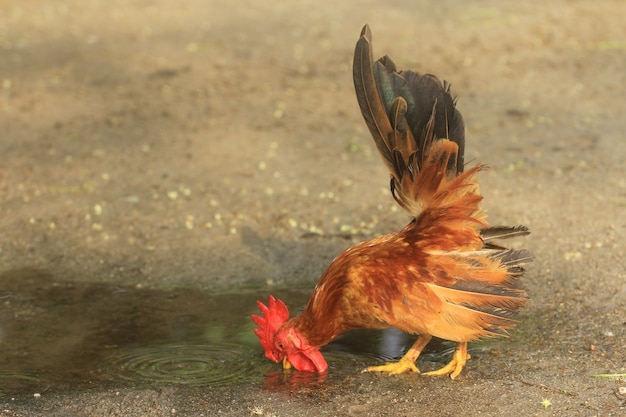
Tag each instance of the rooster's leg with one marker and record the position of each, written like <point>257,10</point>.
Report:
<point>457,363</point>
<point>407,363</point>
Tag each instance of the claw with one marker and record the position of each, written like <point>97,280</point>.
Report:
<point>407,363</point>
<point>454,368</point>
<point>394,368</point>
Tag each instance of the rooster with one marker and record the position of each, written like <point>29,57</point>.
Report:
<point>442,275</point>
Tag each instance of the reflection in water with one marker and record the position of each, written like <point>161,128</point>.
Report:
<point>291,380</point>
<point>389,345</point>
<point>60,335</point>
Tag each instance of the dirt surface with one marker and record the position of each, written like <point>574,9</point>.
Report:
<point>217,145</point>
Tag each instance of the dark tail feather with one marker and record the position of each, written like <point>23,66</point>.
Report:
<point>514,257</point>
<point>426,97</point>
<point>369,100</point>
<point>503,232</point>
<point>404,110</point>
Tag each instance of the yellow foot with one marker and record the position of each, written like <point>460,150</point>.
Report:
<point>394,368</point>
<point>407,363</point>
<point>454,368</point>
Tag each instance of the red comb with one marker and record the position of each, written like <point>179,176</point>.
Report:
<point>274,315</point>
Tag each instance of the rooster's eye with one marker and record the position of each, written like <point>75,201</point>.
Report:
<point>280,345</point>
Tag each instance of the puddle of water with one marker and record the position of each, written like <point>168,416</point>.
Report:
<point>62,335</point>
<point>57,335</point>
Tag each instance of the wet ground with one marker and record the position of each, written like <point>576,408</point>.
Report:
<point>67,335</point>
<point>164,165</point>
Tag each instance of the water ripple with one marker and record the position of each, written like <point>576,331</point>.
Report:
<point>191,365</point>
<point>17,380</point>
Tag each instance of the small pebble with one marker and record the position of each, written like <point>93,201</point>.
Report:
<point>316,230</point>
<point>572,256</point>
<point>98,153</point>
<point>37,395</point>
<point>131,199</point>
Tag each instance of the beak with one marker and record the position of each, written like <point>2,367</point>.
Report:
<point>308,361</point>
<point>286,363</point>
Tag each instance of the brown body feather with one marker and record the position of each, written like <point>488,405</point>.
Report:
<point>436,276</point>
<point>442,275</point>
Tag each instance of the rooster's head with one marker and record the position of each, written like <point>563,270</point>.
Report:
<point>284,343</point>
